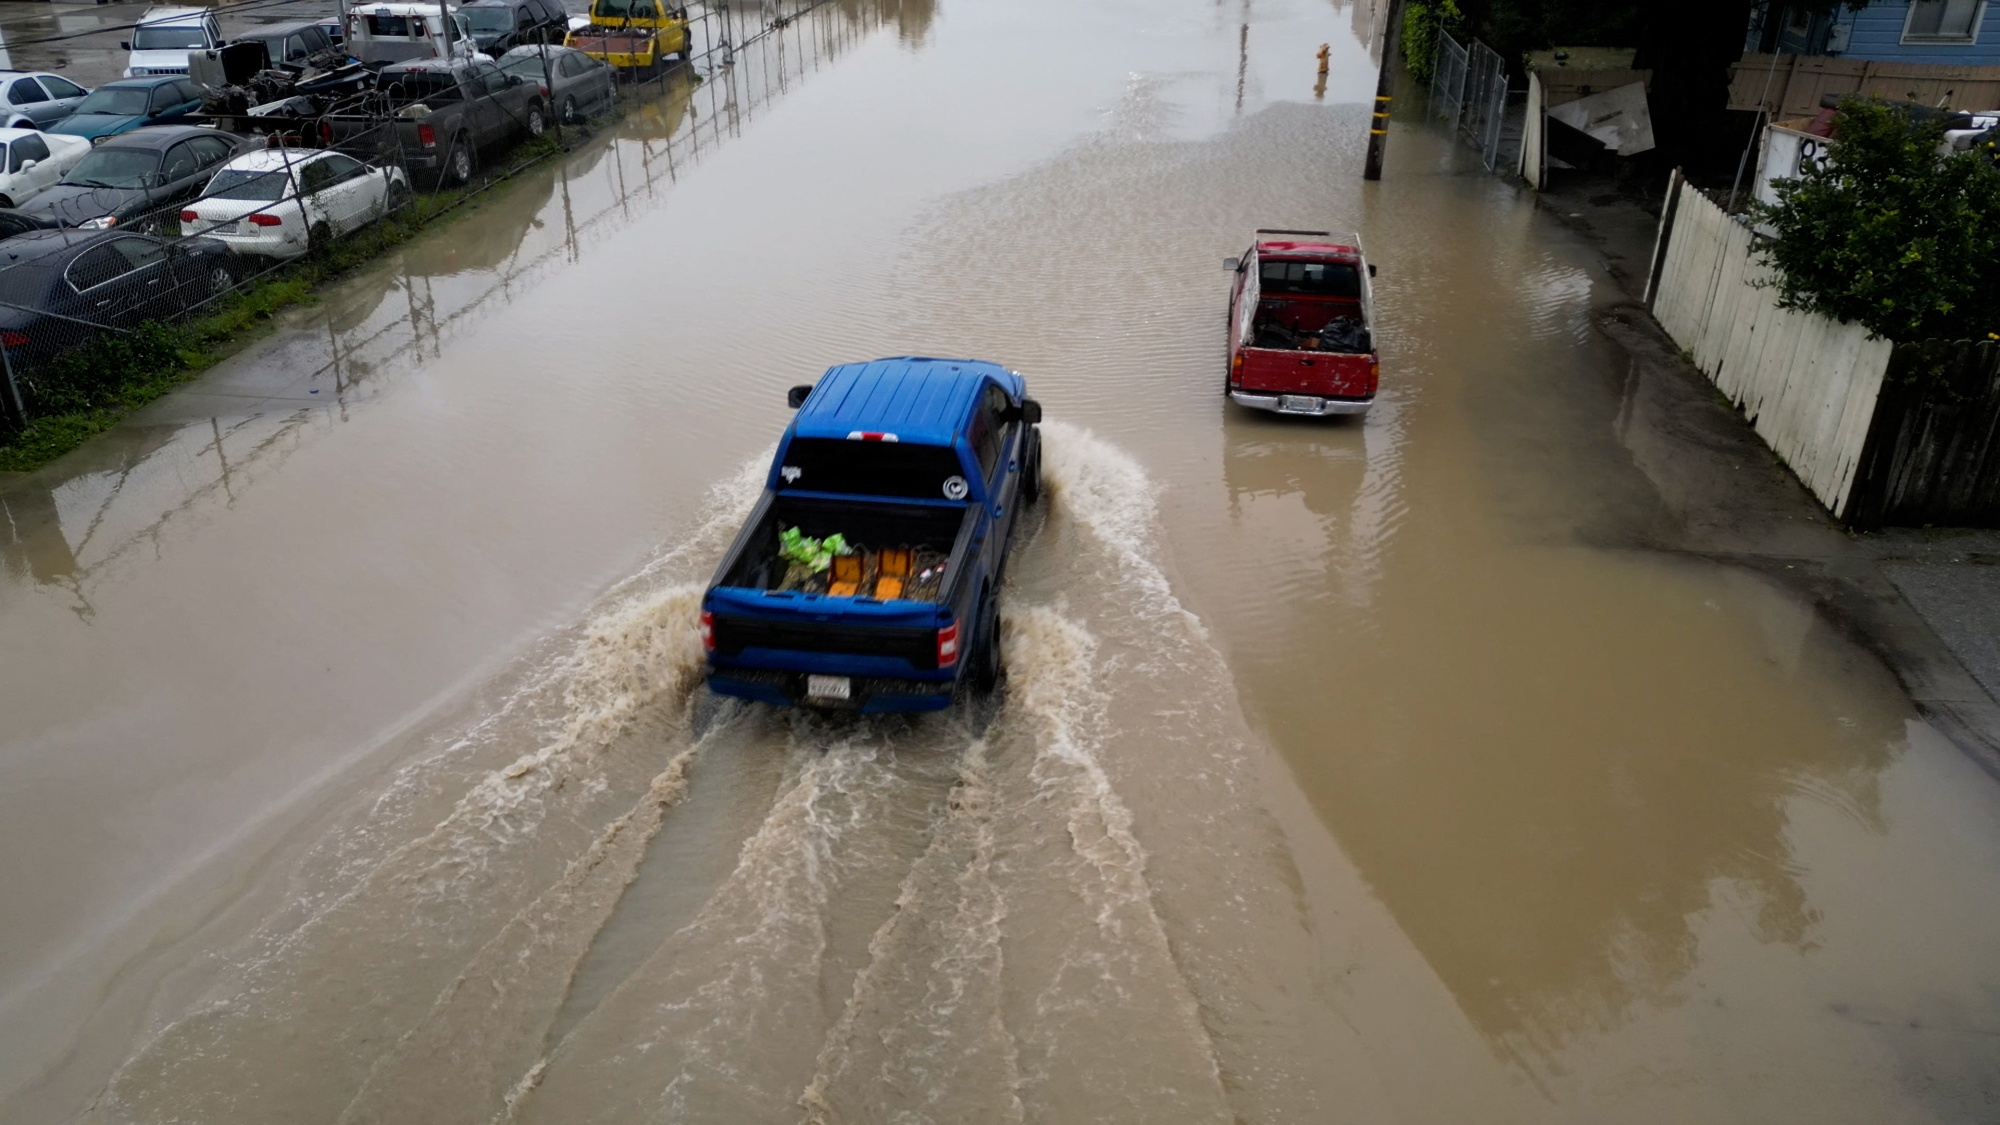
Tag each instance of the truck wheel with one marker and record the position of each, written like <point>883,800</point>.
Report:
<point>458,165</point>
<point>988,663</point>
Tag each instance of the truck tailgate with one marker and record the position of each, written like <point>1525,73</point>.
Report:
<point>1325,374</point>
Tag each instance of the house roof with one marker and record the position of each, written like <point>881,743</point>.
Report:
<point>916,398</point>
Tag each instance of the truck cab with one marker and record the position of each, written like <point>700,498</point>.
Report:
<point>380,34</point>
<point>1301,325</point>
<point>868,576</point>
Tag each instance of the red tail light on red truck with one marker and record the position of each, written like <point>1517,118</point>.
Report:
<point>947,652</point>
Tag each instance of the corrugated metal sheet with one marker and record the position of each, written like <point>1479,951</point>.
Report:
<point>1807,383</point>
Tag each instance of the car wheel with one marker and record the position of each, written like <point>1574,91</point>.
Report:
<point>568,114</point>
<point>220,280</point>
<point>459,164</point>
<point>6,202</point>
<point>536,123</point>
<point>319,236</point>
<point>988,662</point>
<point>398,195</point>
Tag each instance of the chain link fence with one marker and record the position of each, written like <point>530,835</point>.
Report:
<point>1469,95</point>
<point>299,187</point>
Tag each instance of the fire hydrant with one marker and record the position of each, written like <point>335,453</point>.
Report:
<point>1325,52</point>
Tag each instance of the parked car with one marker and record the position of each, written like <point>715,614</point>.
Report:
<point>868,576</point>
<point>115,278</point>
<point>578,85</point>
<point>290,44</point>
<point>15,221</point>
<point>138,177</point>
<point>32,162</point>
<point>499,26</point>
<point>280,203</point>
<point>1301,328</point>
<point>36,99</point>
<point>128,104</point>
<point>454,109</point>
<point>166,36</point>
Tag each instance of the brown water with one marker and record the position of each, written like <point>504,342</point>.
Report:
<point>356,767</point>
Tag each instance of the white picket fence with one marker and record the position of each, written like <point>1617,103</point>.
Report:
<point>1808,383</point>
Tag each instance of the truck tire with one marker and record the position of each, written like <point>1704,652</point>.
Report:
<point>458,162</point>
<point>988,662</point>
<point>1031,480</point>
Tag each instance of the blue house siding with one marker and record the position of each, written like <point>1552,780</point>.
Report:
<point>1875,34</point>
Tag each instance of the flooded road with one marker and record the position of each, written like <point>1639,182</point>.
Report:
<point>356,767</point>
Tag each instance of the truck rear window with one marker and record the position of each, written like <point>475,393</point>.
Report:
<point>873,468</point>
<point>1321,279</point>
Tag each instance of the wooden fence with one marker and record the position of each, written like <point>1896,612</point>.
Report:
<point>1933,453</point>
<point>1795,86</point>
<point>1806,382</point>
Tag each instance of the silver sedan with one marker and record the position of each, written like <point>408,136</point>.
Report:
<point>579,86</point>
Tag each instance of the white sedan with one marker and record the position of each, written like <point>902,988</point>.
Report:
<point>282,202</point>
<point>34,161</point>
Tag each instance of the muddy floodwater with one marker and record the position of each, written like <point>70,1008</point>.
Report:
<point>355,765</point>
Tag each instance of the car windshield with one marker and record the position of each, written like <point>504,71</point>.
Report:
<point>1323,279</point>
<point>122,101</point>
<point>637,9</point>
<point>491,19</point>
<point>115,168</point>
<point>261,186</point>
<point>169,37</point>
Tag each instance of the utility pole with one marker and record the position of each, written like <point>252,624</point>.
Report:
<point>1378,125</point>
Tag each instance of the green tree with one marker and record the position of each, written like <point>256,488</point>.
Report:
<point>1422,20</point>
<point>1888,234</point>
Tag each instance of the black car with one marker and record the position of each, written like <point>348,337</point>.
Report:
<point>137,176</point>
<point>499,26</point>
<point>57,286</point>
<point>289,45</point>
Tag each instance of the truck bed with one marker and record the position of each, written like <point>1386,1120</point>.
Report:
<point>932,534</point>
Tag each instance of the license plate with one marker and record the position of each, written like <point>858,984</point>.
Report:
<point>1298,404</point>
<point>829,687</point>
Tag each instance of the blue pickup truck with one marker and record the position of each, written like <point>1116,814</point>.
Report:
<point>868,576</point>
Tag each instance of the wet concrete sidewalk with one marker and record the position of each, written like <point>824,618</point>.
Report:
<point>1927,601</point>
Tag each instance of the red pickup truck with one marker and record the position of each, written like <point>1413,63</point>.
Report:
<point>1301,333</point>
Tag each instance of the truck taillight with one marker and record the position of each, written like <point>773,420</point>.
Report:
<point>1236,370</point>
<point>1374,373</point>
<point>948,645</point>
<point>12,339</point>
<point>427,136</point>
<point>707,631</point>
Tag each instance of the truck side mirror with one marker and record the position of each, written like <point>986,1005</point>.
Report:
<point>1031,412</point>
<point>1371,269</point>
<point>796,397</point>
<point>1232,264</point>
<point>125,45</point>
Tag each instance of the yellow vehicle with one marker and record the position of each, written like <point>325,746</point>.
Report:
<point>635,34</point>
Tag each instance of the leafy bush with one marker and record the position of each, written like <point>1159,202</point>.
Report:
<point>1422,21</point>
<point>1888,234</point>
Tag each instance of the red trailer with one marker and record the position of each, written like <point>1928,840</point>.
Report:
<point>1301,328</point>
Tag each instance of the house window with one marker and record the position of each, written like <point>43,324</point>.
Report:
<point>1943,21</point>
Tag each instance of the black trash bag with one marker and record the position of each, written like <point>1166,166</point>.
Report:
<point>1345,334</point>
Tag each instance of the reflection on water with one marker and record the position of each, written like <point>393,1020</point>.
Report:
<point>72,518</point>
